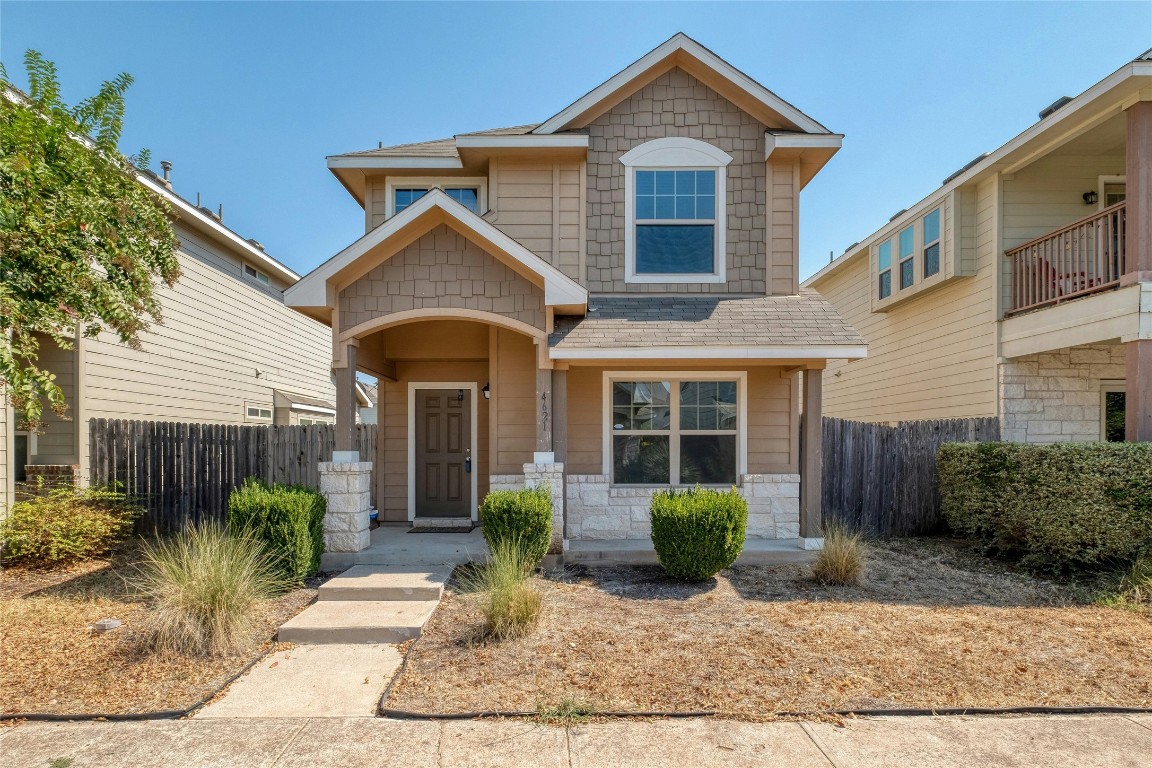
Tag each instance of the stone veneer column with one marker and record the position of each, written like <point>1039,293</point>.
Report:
<point>551,476</point>
<point>346,487</point>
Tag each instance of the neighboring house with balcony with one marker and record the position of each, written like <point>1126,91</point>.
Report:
<point>1021,288</point>
<point>608,302</point>
<point>228,352</point>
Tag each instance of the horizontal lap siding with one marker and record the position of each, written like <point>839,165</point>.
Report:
<point>224,343</point>
<point>773,428</point>
<point>515,372</point>
<point>782,250</point>
<point>538,205</point>
<point>931,357</point>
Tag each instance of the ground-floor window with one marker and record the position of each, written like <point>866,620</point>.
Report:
<point>1112,413</point>
<point>667,430</point>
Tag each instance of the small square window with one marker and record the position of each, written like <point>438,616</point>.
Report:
<point>258,413</point>
<point>255,274</point>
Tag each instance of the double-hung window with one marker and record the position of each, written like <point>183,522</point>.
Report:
<point>884,267</point>
<point>930,226</point>
<point>907,242</point>
<point>674,210</point>
<point>670,431</point>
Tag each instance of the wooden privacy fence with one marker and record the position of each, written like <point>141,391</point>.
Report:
<point>183,473</point>
<point>881,480</point>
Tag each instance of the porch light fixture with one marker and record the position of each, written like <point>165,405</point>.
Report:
<point>1090,197</point>
<point>487,392</point>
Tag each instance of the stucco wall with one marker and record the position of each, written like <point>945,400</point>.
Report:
<point>443,269</point>
<point>676,104</point>
<point>1056,396</point>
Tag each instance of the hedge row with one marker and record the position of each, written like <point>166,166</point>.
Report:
<point>1059,508</point>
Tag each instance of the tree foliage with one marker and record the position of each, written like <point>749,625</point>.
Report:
<point>83,245</point>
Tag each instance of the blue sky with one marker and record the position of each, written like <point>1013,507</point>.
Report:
<point>247,99</point>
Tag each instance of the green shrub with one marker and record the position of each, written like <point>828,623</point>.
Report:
<point>841,559</point>
<point>288,519</point>
<point>523,516</point>
<point>512,603</point>
<point>66,524</point>
<point>698,532</point>
<point>1058,508</point>
<point>206,586</point>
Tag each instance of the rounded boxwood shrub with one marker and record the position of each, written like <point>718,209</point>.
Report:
<point>288,519</point>
<point>1058,508</point>
<point>698,532</point>
<point>523,516</point>
<point>62,525</point>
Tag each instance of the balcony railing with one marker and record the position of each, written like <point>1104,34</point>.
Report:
<point>1082,258</point>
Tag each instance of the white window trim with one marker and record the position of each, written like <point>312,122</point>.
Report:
<point>890,269</point>
<point>899,259</point>
<point>1106,386</point>
<point>260,278</point>
<point>32,447</point>
<point>675,153</point>
<point>480,183</point>
<point>262,406</point>
<point>1102,182</point>
<point>741,379</point>
<point>473,444</point>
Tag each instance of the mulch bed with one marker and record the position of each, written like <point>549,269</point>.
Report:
<point>51,662</point>
<point>930,626</point>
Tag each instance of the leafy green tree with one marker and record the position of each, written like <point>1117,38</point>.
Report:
<point>83,245</point>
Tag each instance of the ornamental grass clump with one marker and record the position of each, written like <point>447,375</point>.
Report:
<point>841,561</point>
<point>288,519</point>
<point>523,517</point>
<point>207,587</point>
<point>698,532</point>
<point>66,524</point>
<point>511,603</point>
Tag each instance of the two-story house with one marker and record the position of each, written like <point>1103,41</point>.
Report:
<point>608,301</point>
<point>1021,288</point>
<point>228,352</point>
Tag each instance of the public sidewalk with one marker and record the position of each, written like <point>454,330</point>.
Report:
<point>1099,741</point>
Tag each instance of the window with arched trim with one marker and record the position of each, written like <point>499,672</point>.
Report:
<point>674,208</point>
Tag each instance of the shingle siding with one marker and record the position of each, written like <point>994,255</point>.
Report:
<point>676,104</point>
<point>442,269</point>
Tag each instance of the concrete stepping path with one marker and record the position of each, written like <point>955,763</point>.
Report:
<point>311,681</point>
<point>344,655</point>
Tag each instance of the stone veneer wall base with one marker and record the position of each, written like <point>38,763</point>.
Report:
<point>347,489</point>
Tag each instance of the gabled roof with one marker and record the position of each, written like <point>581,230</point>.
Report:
<point>315,293</point>
<point>433,148</point>
<point>687,54</point>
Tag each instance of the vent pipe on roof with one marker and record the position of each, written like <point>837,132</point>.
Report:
<point>166,166</point>
<point>220,213</point>
<point>1060,102</point>
<point>379,145</point>
<point>256,243</point>
<point>898,214</point>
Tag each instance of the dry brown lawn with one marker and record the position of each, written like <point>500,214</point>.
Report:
<point>50,661</point>
<point>929,626</point>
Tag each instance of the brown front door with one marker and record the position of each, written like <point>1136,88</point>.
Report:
<point>443,453</point>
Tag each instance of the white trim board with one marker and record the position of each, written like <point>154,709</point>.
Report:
<point>559,289</point>
<point>741,379</point>
<point>473,441</point>
<point>711,353</point>
<point>682,45</point>
<point>392,183</point>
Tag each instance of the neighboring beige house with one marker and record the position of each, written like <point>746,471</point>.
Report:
<point>607,302</point>
<point>1021,288</point>
<point>228,352</point>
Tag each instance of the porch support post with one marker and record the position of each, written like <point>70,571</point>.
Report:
<point>1138,193</point>
<point>812,455</point>
<point>1138,391</point>
<point>560,414</point>
<point>545,408</point>
<point>346,402</point>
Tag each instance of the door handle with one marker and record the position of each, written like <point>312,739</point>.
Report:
<point>468,461</point>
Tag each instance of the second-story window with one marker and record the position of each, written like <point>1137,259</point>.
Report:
<point>254,274</point>
<point>907,242</point>
<point>676,222</point>
<point>403,197</point>
<point>674,210</point>
<point>931,229</point>
<point>884,267</point>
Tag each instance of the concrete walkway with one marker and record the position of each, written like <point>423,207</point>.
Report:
<point>1102,741</point>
